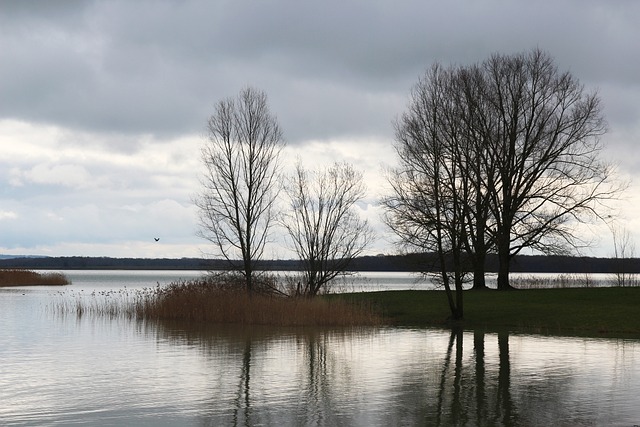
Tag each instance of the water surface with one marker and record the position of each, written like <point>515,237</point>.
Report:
<point>65,370</point>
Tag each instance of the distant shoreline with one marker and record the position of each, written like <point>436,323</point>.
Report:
<point>382,263</point>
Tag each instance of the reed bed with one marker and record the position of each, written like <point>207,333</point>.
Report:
<point>111,304</point>
<point>561,281</point>
<point>575,280</point>
<point>215,301</point>
<point>22,277</point>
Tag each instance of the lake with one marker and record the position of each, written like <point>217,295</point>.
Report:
<point>64,370</point>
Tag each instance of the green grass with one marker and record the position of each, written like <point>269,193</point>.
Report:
<point>569,311</point>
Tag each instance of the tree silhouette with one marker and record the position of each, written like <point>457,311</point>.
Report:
<point>239,187</point>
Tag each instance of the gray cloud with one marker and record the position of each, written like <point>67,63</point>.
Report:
<point>134,78</point>
<point>158,67</point>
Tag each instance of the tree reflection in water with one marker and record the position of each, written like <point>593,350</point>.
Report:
<point>243,401</point>
<point>466,391</point>
<point>478,348</point>
<point>321,377</point>
<point>504,404</point>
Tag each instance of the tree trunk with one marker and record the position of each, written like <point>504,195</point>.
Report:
<point>503,271</point>
<point>447,285</point>
<point>479,282</point>
<point>248,275</point>
<point>459,313</point>
<point>504,258</point>
<point>479,250</point>
<point>449,293</point>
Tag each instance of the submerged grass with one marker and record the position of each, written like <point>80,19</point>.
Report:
<point>610,311</point>
<point>21,277</point>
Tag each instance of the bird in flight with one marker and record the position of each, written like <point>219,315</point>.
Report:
<point>156,238</point>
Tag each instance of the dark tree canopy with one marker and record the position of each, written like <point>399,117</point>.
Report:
<point>498,156</point>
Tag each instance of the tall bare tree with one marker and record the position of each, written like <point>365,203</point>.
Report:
<point>498,156</point>
<point>545,149</point>
<point>323,227</point>
<point>240,186</point>
<point>478,168</point>
<point>428,208</point>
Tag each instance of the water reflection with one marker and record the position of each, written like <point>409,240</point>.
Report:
<point>110,371</point>
<point>267,376</point>
<point>394,377</point>
<point>461,390</point>
<point>469,388</point>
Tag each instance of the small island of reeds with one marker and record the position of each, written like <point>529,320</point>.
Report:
<point>219,300</point>
<point>199,301</point>
<point>22,277</point>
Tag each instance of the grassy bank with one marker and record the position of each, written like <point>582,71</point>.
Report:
<point>573,311</point>
<point>20,277</point>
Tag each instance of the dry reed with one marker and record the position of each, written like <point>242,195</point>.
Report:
<point>21,277</point>
<point>218,301</point>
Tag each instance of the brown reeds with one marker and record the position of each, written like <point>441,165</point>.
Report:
<point>216,301</point>
<point>21,277</point>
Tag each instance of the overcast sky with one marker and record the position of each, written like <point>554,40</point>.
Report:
<point>103,104</point>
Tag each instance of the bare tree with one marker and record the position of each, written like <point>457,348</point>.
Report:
<point>240,183</point>
<point>544,145</point>
<point>478,169</point>
<point>504,155</point>
<point>324,230</point>
<point>428,208</point>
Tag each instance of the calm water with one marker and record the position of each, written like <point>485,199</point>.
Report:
<point>57,370</point>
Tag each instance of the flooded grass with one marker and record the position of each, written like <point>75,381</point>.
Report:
<point>205,300</point>
<point>21,277</point>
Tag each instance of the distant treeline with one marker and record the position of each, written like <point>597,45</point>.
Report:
<point>411,262</point>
